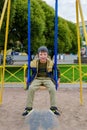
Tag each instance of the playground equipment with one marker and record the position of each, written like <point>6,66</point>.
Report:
<point>7,4</point>
<point>79,11</point>
<point>55,42</point>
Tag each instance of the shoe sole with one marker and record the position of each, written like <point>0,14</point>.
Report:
<point>29,113</point>
<point>53,113</point>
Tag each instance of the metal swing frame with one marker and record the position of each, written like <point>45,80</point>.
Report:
<point>55,41</point>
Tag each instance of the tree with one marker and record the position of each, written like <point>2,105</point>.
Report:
<point>42,27</point>
<point>64,36</point>
<point>2,32</point>
<point>1,5</point>
<point>3,25</point>
<point>73,32</point>
<point>37,25</point>
<point>19,22</point>
<point>49,25</point>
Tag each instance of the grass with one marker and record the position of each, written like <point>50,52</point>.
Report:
<point>69,74</point>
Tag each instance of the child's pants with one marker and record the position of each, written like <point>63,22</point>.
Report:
<point>35,85</point>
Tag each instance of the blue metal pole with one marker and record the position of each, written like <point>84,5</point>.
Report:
<point>29,41</point>
<point>56,42</point>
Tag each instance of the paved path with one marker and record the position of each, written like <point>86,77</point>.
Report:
<point>62,85</point>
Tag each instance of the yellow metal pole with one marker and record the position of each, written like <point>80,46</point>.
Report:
<point>5,49</point>
<point>25,67</point>
<point>73,74</point>
<point>3,13</point>
<point>83,23</point>
<point>79,55</point>
<point>0,75</point>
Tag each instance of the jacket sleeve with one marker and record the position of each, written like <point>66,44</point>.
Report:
<point>33,72</point>
<point>58,72</point>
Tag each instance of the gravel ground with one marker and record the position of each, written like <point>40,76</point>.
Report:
<point>73,114</point>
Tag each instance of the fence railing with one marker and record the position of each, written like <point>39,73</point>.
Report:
<point>69,73</point>
<point>14,74</point>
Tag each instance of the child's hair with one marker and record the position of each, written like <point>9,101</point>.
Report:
<point>42,48</point>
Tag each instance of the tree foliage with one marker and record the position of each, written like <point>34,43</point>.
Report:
<point>49,25</point>
<point>20,23</point>
<point>73,32</point>
<point>3,31</point>
<point>42,27</point>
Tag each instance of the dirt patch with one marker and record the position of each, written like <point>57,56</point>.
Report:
<point>73,115</point>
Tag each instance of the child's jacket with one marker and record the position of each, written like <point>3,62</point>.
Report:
<point>49,70</point>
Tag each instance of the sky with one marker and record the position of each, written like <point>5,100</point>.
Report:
<point>67,10</point>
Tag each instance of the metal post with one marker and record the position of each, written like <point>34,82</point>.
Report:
<point>29,41</point>
<point>5,49</point>
<point>79,54</point>
<point>56,41</point>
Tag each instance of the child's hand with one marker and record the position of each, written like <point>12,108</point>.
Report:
<point>58,81</point>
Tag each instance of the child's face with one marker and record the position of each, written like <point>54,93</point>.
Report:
<point>43,56</point>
